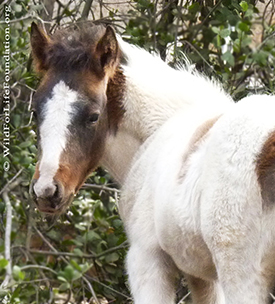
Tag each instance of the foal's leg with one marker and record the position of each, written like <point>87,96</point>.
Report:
<point>205,292</point>
<point>241,281</point>
<point>151,275</point>
<point>235,244</point>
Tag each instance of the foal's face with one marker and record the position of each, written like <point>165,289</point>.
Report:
<point>71,113</point>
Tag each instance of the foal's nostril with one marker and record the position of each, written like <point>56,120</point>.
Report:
<point>56,192</point>
<point>49,191</point>
<point>31,189</point>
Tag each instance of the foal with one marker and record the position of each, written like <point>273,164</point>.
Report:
<point>93,107</point>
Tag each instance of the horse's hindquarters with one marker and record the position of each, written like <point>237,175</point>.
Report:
<point>204,206</point>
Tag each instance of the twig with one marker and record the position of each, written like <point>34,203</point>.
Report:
<point>91,289</point>
<point>7,240</point>
<point>122,245</point>
<point>86,9</point>
<point>204,20</point>
<point>28,255</point>
<point>185,297</point>
<point>38,267</point>
<point>199,54</point>
<point>2,4</point>
<point>68,296</point>
<point>73,255</point>
<point>68,254</point>
<point>8,187</point>
<point>49,244</point>
<point>101,187</point>
<point>56,252</point>
<point>264,18</point>
<point>108,287</point>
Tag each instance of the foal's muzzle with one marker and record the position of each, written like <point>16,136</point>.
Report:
<point>50,199</point>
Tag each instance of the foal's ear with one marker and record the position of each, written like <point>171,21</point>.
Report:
<point>107,49</point>
<point>39,44</point>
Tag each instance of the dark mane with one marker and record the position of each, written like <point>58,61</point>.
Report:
<point>73,48</point>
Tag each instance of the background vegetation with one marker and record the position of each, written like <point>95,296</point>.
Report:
<point>79,257</point>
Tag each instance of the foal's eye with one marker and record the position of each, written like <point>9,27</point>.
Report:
<point>94,117</point>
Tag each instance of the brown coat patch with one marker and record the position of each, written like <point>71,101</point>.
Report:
<point>200,133</point>
<point>266,169</point>
<point>195,141</point>
<point>36,172</point>
<point>115,94</point>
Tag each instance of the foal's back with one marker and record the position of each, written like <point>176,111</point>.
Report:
<point>200,199</point>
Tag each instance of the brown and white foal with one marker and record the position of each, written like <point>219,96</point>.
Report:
<point>198,196</point>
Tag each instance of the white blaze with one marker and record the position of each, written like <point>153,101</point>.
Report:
<point>53,134</point>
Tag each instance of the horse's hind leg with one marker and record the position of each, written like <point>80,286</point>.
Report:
<point>233,235</point>
<point>205,292</point>
<point>151,275</point>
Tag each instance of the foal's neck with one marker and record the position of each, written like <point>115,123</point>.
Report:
<point>154,92</point>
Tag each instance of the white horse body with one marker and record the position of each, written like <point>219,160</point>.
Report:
<point>187,205</point>
<point>198,205</point>
<point>154,93</point>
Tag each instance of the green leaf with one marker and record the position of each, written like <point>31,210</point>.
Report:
<point>2,208</point>
<point>261,57</point>
<point>80,227</point>
<point>93,236</point>
<point>225,33</point>
<point>244,5</point>
<point>64,286</point>
<point>3,292</point>
<point>112,257</point>
<point>228,58</point>
<point>17,273</point>
<point>111,269</point>
<point>194,8</point>
<point>16,120</point>
<point>85,267</point>
<point>61,277</point>
<point>215,29</point>
<point>219,41</point>
<point>3,263</point>
<point>249,13</point>
<point>117,223</point>
<point>78,252</point>
<point>25,144</point>
<point>69,273</point>
<point>75,264</point>
<point>244,27</point>
<point>17,8</point>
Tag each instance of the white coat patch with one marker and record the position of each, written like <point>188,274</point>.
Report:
<point>53,133</point>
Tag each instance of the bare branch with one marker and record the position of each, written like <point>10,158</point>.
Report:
<point>101,187</point>
<point>9,186</point>
<point>38,267</point>
<point>86,256</point>
<point>184,298</point>
<point>12,183</point>
<point>91,289</point>
<point>86,9</point>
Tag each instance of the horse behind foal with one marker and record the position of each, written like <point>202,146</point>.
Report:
<point>200,198</point>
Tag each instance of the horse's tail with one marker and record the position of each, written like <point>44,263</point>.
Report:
<point>266,170</point>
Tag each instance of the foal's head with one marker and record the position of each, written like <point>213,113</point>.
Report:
<point>71,109</point>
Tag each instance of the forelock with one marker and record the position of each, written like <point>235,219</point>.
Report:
<point>73,48</point>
